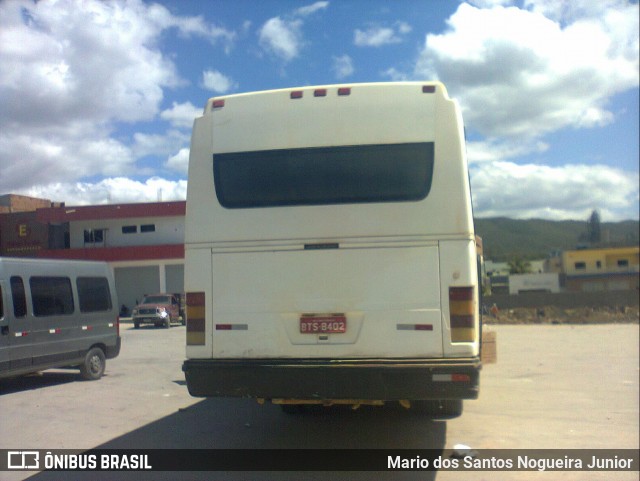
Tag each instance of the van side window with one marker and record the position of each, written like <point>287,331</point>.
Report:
<point>18,296</point>
<point>51,296</point>
<point>93,294</point>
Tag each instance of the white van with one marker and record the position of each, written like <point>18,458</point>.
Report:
<point>57,314</point>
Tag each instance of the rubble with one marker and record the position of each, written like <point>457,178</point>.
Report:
<point>557,315</point>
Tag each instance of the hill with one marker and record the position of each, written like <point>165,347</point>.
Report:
<point>505,239</point>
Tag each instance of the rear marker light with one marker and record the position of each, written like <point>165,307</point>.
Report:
<point>414,327</point>
<point>217,104</point>
<point>195,318</point>
<point>451,378</point>
<point>320,93</point>
<point>232,327</point>
<point>428,89</point>
<point>462,311</point>
<point>296,94</point>
<point>344,91</point>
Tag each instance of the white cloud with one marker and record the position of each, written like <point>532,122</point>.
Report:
<point>180,161</point>
<point>378,36</point>
<point>217,82</point>
<point>342,66</point>
<point>161,144</point>
<point>110,191</point>
<point>564,192</point>
<point>311,9</point>
<point>181,115</point>
<point>520,74</point>
<point>395,74</point>
<point>283,37</point>
<point>491,150</point>
<point>71,72</point>
<point>26,159</point>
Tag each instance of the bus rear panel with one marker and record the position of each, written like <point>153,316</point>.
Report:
<point>330,253</point>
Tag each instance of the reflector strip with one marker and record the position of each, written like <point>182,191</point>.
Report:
<point>195,299</point>
<point>461,293</point>
<point>414,327</point>
<point>462,311</point>
<point>451,378</point>
<point>55,331</point>
<point>232,327</point>
<point>462,321</point>
<point>21,334</point>
<point>87,328</point>
<point>195,318</point>
<point>463,334</point>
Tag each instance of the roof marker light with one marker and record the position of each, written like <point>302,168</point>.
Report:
<point>320,93</point>
<point>344,91</point>
<point>217,104</point>
<point>428,89</point>
<point>296,94</point>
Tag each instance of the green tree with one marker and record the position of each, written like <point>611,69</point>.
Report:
<point>594,232</point>
<point>518,265</point>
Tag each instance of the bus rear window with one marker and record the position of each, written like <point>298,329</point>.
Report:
<point>324,175</point>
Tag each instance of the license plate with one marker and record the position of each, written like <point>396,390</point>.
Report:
<point>329,324</point>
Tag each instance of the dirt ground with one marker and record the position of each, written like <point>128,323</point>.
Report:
<point>556,315</point>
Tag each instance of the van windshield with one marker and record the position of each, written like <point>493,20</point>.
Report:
<point>324,175</point>
<point>157,300</point>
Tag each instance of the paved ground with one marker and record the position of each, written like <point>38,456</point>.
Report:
<point>554,386</point>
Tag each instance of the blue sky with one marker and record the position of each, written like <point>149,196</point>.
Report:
<point>97,98</point>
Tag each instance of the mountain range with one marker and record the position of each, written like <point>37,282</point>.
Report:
<point>505,239</point>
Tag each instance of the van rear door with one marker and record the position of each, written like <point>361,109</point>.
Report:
<point>19,326</point>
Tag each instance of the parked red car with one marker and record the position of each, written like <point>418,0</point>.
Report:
<point>158,309</point>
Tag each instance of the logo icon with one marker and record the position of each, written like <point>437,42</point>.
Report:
<point>23,460</point>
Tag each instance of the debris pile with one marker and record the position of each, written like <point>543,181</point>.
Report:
<point>557,315</point>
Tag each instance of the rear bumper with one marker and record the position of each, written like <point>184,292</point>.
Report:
<point>371,379</point>
<point>150,319</point>
<point>113,351</point>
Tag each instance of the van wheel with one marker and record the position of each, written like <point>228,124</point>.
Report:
<point>93,366</point>
<point>439,409</point>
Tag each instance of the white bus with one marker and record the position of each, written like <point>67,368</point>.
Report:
<point>330,250</point>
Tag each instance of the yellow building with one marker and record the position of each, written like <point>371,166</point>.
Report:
<point>607,269</point>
